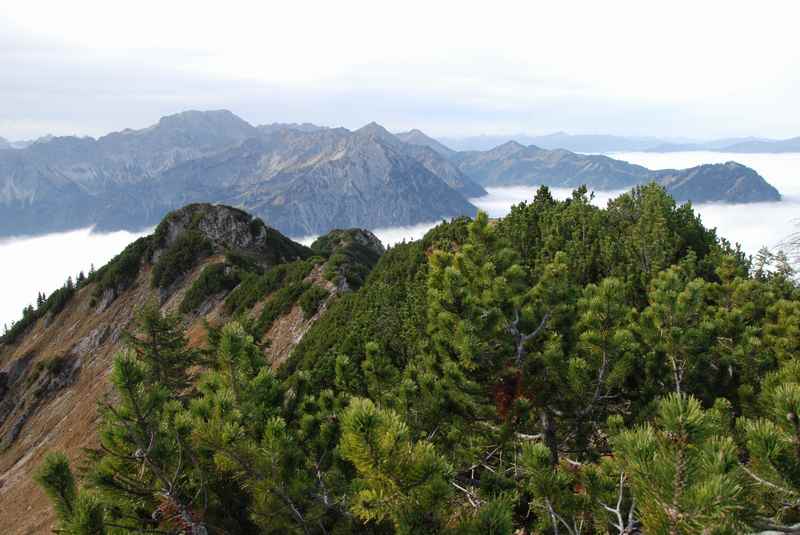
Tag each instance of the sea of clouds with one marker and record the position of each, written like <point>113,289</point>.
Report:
<point>43,263</point>
<point>31,265</point>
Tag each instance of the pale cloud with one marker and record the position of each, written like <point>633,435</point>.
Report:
<point>707,68</point>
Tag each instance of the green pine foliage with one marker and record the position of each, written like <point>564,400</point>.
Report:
<point>214,279</point>
<point>348,257</point>
<point>279,304</point>
<point>123,269</point>
<point>399,479</point>
<point>50,305</point>
<point>79,512</point>
<point>179,258</point>
<point>567,369</point>
<point>256,286</point>
<point>684,470</point>
<point>312,299</point>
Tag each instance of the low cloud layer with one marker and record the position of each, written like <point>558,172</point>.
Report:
<point>42,264</point>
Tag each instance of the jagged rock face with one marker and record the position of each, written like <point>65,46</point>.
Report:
<point>308,183</point>
<point>452,175</point>
<point>366,181</point>
<point>300,179</point>
<point>228,228</point>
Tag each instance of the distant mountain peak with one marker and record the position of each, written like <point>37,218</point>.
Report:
<point>194,114</point>
<point>374,129</point>
<point>509,147</point>
<point>418,137</point>
<point>511,144</point>
<point>201,130</point>
<point>202,119</point>
<point>511,164</point>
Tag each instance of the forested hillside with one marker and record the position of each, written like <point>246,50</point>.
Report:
<point>565,370</point>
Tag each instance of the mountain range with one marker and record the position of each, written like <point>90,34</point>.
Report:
<point>602,143</point>
<point>515,164</point>
<point>300,178</point>
<point>743,145</point>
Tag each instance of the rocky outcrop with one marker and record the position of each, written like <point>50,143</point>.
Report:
<point>228,229</point>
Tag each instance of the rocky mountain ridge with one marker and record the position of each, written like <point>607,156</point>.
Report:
<point>221,261</point>
<point>743,145</point>
<point>604,143</point>
<point>301,181</point>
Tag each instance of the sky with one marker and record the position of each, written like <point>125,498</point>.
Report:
<point>672,69</point>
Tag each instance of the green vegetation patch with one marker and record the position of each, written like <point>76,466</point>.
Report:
<point>244,262</point>
<point>53,304</point>
<point>255,287</point>
<point>214,279</point>
<point>348,257</point>
<point>311,300</point>
<point>188,248</point>
<point>123,269</point>
<point>279,304</point>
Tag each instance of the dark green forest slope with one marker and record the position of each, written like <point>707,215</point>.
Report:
<point>565,370</point>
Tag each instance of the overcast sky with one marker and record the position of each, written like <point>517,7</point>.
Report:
<point>697,69</point>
